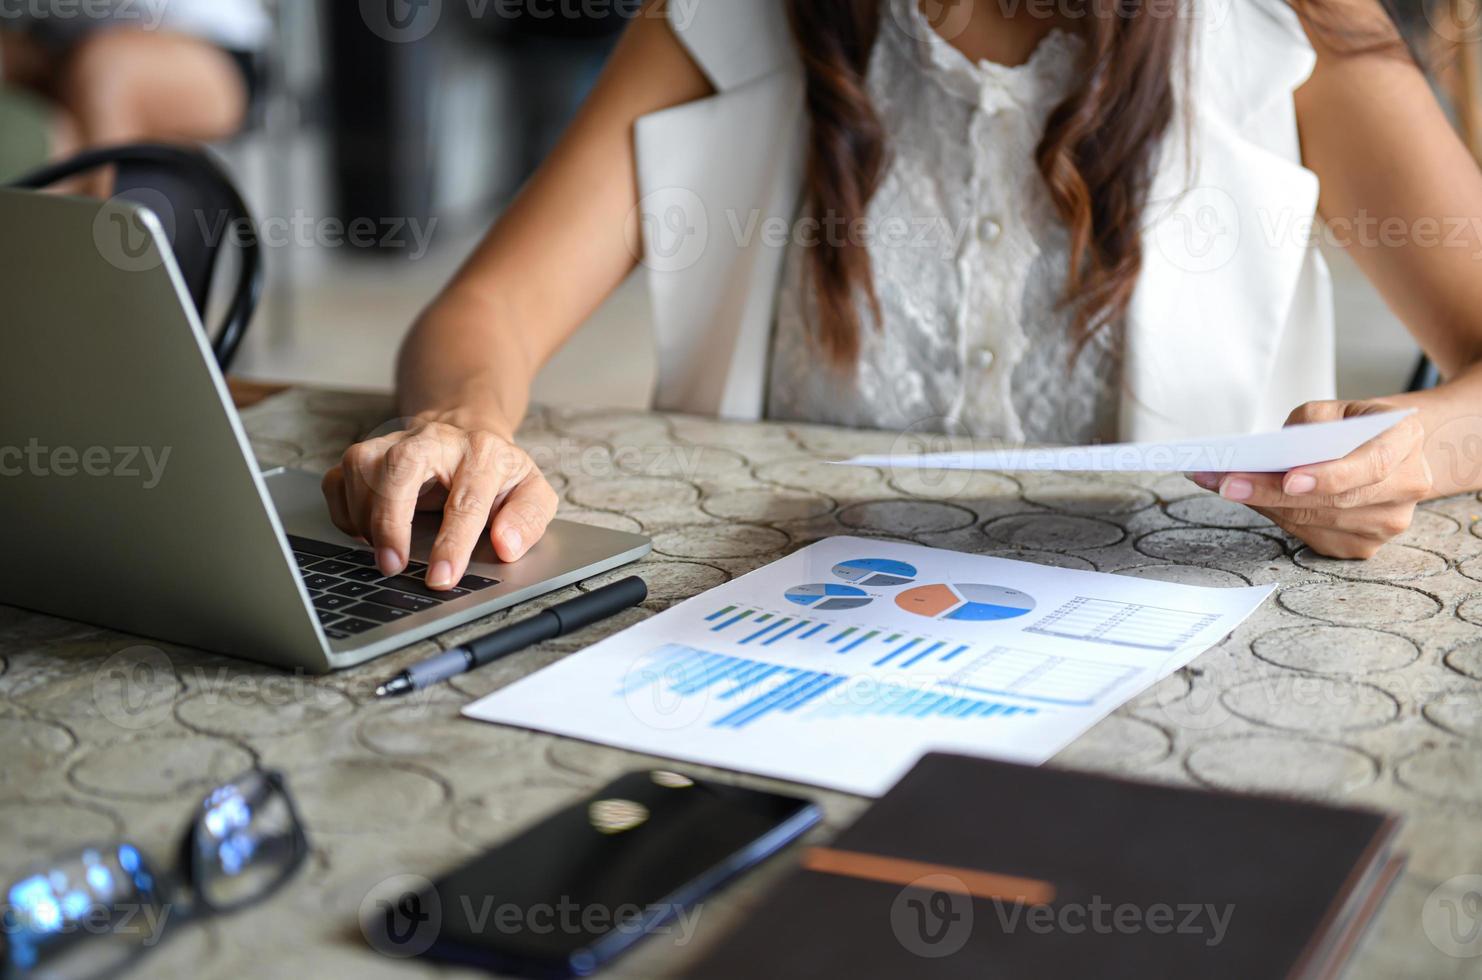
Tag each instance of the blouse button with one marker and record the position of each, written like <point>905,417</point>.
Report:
<point>989,230</point>
<point>982,358</point>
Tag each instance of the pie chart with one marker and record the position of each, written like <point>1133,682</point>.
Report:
<point>878,572</point>
<point>968,603</point>
<point>829,597</point>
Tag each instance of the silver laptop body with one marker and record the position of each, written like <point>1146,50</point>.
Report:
<point>129,497</point>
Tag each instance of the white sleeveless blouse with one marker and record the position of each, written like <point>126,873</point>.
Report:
<point>1230,324</point>
<point>969,259</point>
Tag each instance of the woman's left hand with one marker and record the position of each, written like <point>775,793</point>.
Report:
<point>1345,508</point>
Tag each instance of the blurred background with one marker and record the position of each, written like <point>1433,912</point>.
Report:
<point>443,130</point>
<point>412,122</point>
<point>415,121</point>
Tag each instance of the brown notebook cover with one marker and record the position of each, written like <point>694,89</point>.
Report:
<point>974,868</point>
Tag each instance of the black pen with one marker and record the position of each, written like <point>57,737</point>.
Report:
<point>560,619</point>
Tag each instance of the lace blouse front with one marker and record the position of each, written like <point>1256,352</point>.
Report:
<point>969,261</point>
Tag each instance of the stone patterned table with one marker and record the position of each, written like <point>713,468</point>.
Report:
<point>1359,683</point>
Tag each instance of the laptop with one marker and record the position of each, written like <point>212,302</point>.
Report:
<point>130,498</point>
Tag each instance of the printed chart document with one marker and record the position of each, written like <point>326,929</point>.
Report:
<point>1263,452</point>
<point>841,664</point>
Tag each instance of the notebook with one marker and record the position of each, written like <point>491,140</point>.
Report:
<point>974,868</point>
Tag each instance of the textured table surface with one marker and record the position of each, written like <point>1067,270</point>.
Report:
<point>1357,683</point>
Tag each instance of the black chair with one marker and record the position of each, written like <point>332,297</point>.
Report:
<point>208,212</point>
<point>1425,377</point>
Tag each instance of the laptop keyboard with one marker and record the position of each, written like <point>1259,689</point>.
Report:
<point>351,595</point>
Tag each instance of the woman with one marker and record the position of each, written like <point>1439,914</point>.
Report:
<point>988,201</point>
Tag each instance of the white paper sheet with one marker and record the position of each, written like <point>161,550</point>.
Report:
<point>1263,452</point>
<point>841,664</point>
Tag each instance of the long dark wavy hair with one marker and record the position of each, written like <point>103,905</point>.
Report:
<point>1096,155</point>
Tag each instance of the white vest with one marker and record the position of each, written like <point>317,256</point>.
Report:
<point>1230,325</point>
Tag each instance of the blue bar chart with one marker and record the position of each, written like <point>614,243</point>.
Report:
<point>904,702</point>
<point>749,691</point>
<point>754,626</point>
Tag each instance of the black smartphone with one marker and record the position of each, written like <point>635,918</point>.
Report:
<point>571,893</point>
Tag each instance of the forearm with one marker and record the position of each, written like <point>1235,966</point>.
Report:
<point>465,363</point>
<point>1452,416</point>
<point>568,240</point>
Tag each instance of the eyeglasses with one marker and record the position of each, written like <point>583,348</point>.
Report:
<point>96,911</point>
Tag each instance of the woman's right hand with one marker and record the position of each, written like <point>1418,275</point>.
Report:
<point>479,479</point>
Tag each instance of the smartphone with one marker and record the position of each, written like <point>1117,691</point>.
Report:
<point>571,893</point>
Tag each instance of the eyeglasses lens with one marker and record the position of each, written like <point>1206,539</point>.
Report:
<point>245,842</point>
<point>84,916</point>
